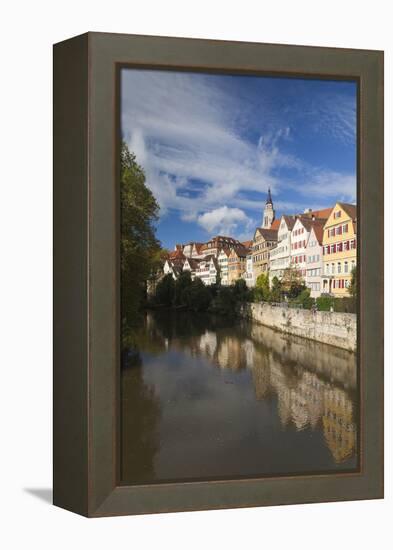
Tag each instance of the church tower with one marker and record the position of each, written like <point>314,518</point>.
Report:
<point>268,212</point>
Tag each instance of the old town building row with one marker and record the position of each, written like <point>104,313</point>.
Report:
<point>321,244</point>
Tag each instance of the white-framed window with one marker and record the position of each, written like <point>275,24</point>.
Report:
<point>339,267</point>
<point>345,267</point>
<point>333,268</point>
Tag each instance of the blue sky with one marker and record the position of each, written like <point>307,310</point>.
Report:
<point>211,145</point>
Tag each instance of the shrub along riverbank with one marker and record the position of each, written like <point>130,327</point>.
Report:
<point>223,300</point>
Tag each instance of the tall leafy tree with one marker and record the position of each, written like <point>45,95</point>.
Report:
<point>262,288</point>
<point>139,245</point>
<point>292,282</point>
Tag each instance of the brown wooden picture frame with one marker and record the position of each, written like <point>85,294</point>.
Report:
<point>86,272</point>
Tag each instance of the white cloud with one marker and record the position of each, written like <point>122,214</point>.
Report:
<point>225,221</point>
<point>188,134</point>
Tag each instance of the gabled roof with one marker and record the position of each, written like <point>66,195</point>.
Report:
<point>309,223</point>
<point>246,244</point>
<point>208,258</point>
<point>198,247</point>
<point>240,251</point>
<point>350,209</point>
<point>226,251</point>
<point>290,221</point>
<point>193,262</point>
<point>275,225</point>
<point>267,234</point>
<point>318,231</point>
<point>177,255</point>
<point>324,213</point>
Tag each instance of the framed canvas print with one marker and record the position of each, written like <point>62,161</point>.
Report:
<point>218,274</point>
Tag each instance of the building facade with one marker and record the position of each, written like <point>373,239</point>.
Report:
<point>191,265</point>
<point>339,249</point>
<point>314,261</point>
<point>215,244</point>
<point>208,270</point>
<point>223,265</point>
<point>280,255</point>
<point>248,275</point>
<point>237,263</point>
<point>300,239</point>
<point>264,240</point>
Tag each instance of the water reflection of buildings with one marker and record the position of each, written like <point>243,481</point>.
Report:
<point>312,382</point>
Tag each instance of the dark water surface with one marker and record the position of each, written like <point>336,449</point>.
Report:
<point>208,398</point>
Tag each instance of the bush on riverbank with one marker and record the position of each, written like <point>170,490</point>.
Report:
<point>304,299</point>
<point>194,295</point>
<point>346,304</point>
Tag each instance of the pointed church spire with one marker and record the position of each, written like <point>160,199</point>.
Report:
<point>268,213</point>
<point>269,197</point>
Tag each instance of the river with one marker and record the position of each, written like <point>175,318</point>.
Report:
<point>213,398</point>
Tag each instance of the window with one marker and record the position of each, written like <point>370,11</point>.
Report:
<point>339,267</point>
<point>345,267</point>
<point>345,228</point>
<point>327,269</point>
<point>333,268</point>
<point>339,247</point>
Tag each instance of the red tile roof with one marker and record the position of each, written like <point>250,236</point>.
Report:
<point>177,255</point>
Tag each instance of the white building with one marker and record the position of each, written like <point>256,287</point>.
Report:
<point>248,275</point>
<point>208,270</point>
<point>314,265</point>
<point>223,265</point>
<point>280,255</point>
<point>191,265</point>
<point>299,241</point>
<point>173,268</point>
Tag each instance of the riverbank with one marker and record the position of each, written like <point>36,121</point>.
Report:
<point>335,329</point>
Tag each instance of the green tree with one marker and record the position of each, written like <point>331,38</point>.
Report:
<point>197,296</point>
<point>325,302</point>
<point>262,287</point>
<point>292,282</point>
<point>240,290</point>
<point>305,299</point>
<point>165,291</point>
<point>182,284</point>
<point>276,290</point>
<point>353,285</point>
<point>139,245</point>
<point>224,303</point>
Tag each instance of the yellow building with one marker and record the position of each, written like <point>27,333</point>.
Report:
<point>237,263</point>
<point>264,240</point>
<point>339,249</point>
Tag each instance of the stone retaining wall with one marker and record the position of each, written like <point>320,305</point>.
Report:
<point>336,329</point>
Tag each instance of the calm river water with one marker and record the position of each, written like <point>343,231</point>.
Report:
<point>208,398</point>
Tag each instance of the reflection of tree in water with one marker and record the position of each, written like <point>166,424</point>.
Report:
<point>140,414</point>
